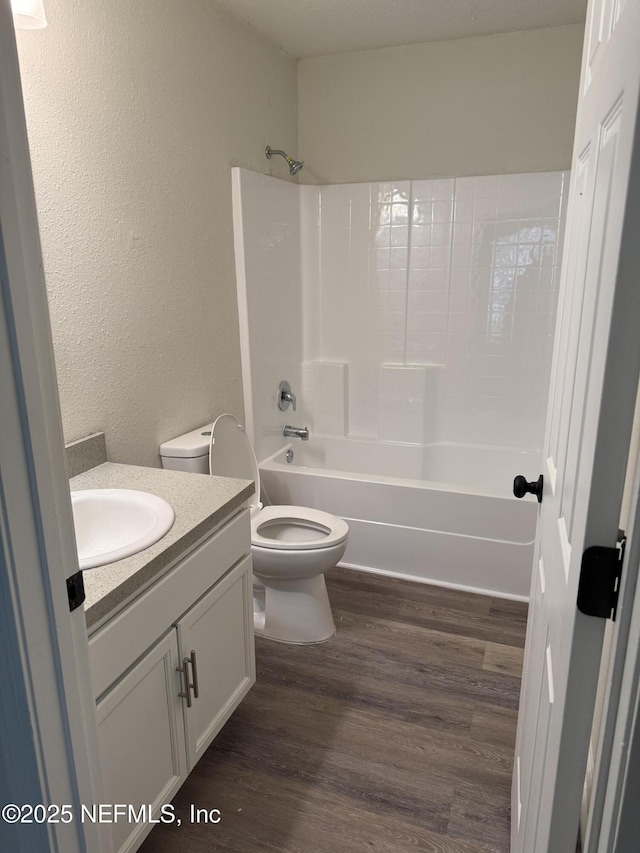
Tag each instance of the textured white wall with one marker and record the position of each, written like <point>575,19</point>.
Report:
<point>477,106</point>
<point>136,112</point>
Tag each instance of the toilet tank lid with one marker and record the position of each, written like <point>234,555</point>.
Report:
<point>190,445</point>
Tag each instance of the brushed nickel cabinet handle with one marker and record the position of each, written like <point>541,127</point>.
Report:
<point>186,693</point>
<point>194,672</point>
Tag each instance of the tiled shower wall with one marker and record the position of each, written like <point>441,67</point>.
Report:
<point>429,307</point>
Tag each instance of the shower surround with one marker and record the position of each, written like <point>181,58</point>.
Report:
<point>415,321</point>
<point>434,301</point>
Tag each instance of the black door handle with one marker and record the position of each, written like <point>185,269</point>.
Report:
<point>521,487</point>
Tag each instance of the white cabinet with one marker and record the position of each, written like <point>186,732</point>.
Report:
<point>156,712</point>
<point>218,633</point>
<point>141,737</point>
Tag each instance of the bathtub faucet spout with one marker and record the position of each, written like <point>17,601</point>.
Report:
<point>296,432</point>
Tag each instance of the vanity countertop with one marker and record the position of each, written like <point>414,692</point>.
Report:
<point>200,503</point>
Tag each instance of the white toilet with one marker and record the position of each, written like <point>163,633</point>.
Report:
<point>292,546</point>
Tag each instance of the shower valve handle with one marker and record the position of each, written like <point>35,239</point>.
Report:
<point>521,487</point>
<point>286,397</point>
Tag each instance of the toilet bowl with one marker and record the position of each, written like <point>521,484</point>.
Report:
<point>292,546</point>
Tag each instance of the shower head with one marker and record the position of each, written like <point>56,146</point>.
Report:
<point>294,165</point>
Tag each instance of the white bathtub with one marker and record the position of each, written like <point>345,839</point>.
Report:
<point>440,513</point>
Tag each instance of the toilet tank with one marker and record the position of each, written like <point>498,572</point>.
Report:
<point>188,452</point>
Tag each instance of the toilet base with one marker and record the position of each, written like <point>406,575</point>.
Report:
<point>294,611</point>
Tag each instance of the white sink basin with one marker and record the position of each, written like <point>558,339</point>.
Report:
<point>114,523</point>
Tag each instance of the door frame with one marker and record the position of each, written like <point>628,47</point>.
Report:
<point>48,732</point>
<point>613,817</point>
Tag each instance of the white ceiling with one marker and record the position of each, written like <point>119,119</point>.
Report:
<point>318,27</point>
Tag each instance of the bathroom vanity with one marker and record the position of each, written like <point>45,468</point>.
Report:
<point>170,639</point>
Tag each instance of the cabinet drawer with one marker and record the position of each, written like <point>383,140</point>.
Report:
<point>118,644</point>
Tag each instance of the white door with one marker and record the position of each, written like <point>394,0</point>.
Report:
<point>594,380</point>
<point>48,737</point>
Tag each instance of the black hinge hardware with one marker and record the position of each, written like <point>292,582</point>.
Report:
<point>600,573</point>
<point>75,590</point>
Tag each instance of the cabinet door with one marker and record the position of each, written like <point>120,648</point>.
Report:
<point>219,629</point>
<point>141,739</point>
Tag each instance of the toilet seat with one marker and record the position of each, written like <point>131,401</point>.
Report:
<point>231,454</point>
<point>296,528</point>
<point>285,528</point>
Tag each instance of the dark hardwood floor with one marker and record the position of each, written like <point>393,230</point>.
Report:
<point>396,735</point>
